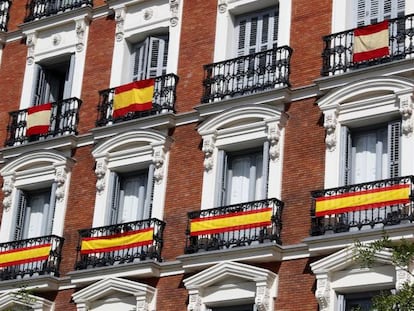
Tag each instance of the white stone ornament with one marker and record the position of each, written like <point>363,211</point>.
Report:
<point>330,127</point>
<point>7,189</point>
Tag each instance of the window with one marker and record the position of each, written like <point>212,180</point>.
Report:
<point>53,80</point>
<point>235,308</point>
<point>371,154</point>
<point>35,213</point>
<point>356,301</point>
<point>131,196</point>
<point>149,58</point>
<point>374,11</point>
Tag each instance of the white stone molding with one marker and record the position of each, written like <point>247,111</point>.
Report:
<point>60,179</point>
<point>222,6</point>
<point>56,39</point>
<point>273,135</point>
<point>148,14</point>
<point>402,276</point>
<point>145,295</point>
<point>80,34</point>
<point>100,171</point>
<point>322,292</point>
<point>31,40</point>
<point>263,299</point>
<point>8,185</point>
<point>208,149</point>
<point>158,158</point>
<point>174,8</point>
<point>119,20</point>
<point>406,110</point>
<point>12,301</point>
<point>330,125</point>
<point>194,302</point>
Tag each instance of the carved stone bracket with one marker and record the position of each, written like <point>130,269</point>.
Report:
<point>80,35</point>
<point>31,40</point>
<point>119,19</point>
<point>142,305</point>
<point>322,294</point>
<point>60,179</point>
<point>100,171</point>
<point>174,5</point>
<point>262,298</point>
<point>330,127</point>
<point>208,149</point>
<point>8,185</point>
<point>158,159</point>
<point>273,135</point>
<point>406,110</point>
<point>222,6</point>
<point>194,302</point>
<point>402,276</point>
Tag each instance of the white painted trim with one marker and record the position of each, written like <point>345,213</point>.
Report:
<point>36,303</point>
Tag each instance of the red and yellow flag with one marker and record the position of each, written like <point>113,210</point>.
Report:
<point>231,222</point>
<point>117,241</point>
<point>362,200</point>
<point>38,119</point>
<point>24,255</point>
<point>131,97</point>
<point>371,42</point>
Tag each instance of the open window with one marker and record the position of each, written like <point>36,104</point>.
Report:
<point>369,12</point>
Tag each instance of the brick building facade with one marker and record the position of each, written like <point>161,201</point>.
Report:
<point>266,150</point>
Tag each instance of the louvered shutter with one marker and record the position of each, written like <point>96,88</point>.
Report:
<point>139,60</point>
<point>373,11</point>
<point>67,91</point>
<point>20,215</point>
<point>265,171</point>
<point>394,134</point>
<point>50,213</point>
<point>114,196</point>
<point>40,86</point>
<point>150,193</point>
<point>221,178</point>
<point>346,156</point>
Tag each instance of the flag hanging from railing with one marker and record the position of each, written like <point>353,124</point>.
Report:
<point>371,42</point>
<point>231,222</point>
<point>132,97</point>
<point>116,242</point>
<point>38,119</point>
<point>24,255</point>
<point>362,200</point>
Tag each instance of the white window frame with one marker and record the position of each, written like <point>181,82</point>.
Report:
<point>137,20</point>
<point>361,103</point>
<point>143,294</point>
<point>231,283</point>
<point>130,151</point>
<point>226,31</point>
<point>31,171</point>
<point>255,125</point>
<point>338,273</point>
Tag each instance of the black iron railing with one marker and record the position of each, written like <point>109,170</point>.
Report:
<point>379,211</point>
<point>163,101</point>
<point>4,14</point>
<point>338,52</point>
<point>145,240</point>
<point>237,234</point>
<point>247,74</point>
<point>64,119</point>
<point>36,9</point>
<point>30,257</point>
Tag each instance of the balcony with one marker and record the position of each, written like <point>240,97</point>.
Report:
<point>234,226</point>
<point>30,257</point>
<point>163,100</point>
<point>64,118</point>
<point>338,52</point>
<point>247,74</point>
<point>36,9</point>
<point>120,244</point>
<point>363,206</point>
<point>4,14</point>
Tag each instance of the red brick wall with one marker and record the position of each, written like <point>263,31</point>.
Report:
<point>171,294</point>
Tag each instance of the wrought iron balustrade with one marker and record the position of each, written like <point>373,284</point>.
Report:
<point>247,223</point>
<point>4,14</point>
<point>247,74</point>
<point>30,257</point>
<point>338,51</point>
<point>163,101</point>
<point>36,9</point>
<point>363,206</point>
<point>119,244</point>
<point>64,119</point>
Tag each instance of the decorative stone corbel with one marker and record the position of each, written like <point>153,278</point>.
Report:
<point>174,5</point>
<point>80,34</point>
<point>330,127</point>
<point>262,298</point>
<point>142,305</point>
<point>60,179</point>
<point>31,40</point>
<point>100,171</point>
<point>322,293</point>
<point>222,6</point>
<point>208,149</point>
<point>402,276</point>
<point>406,110</point>
<point>158,159</point>
<point>194,302</point>
<point>8,185</point>
<point>119,19</point>
<point>273,135</point>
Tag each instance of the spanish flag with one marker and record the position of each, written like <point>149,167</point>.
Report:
<point>38,119</point>
<point>362,200</point>
<point>135,96</point>
<point>24,255</point>
<point>231,222</point>
<point>117,241</point>
<point>371,42</point>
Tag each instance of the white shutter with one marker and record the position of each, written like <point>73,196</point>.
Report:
<point>113,202</point>
<point>67,91</point>
<point>20,215</point>
<point>340,303</point>
<point>394,134</point>
<point>139,60</point>
<point>221,178</point>
<point>265,172</point>
<point>50,215</point>
<point>373,11</point>
<point>346,156</point>
<point>40,87</point>
<point>149,194</point>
